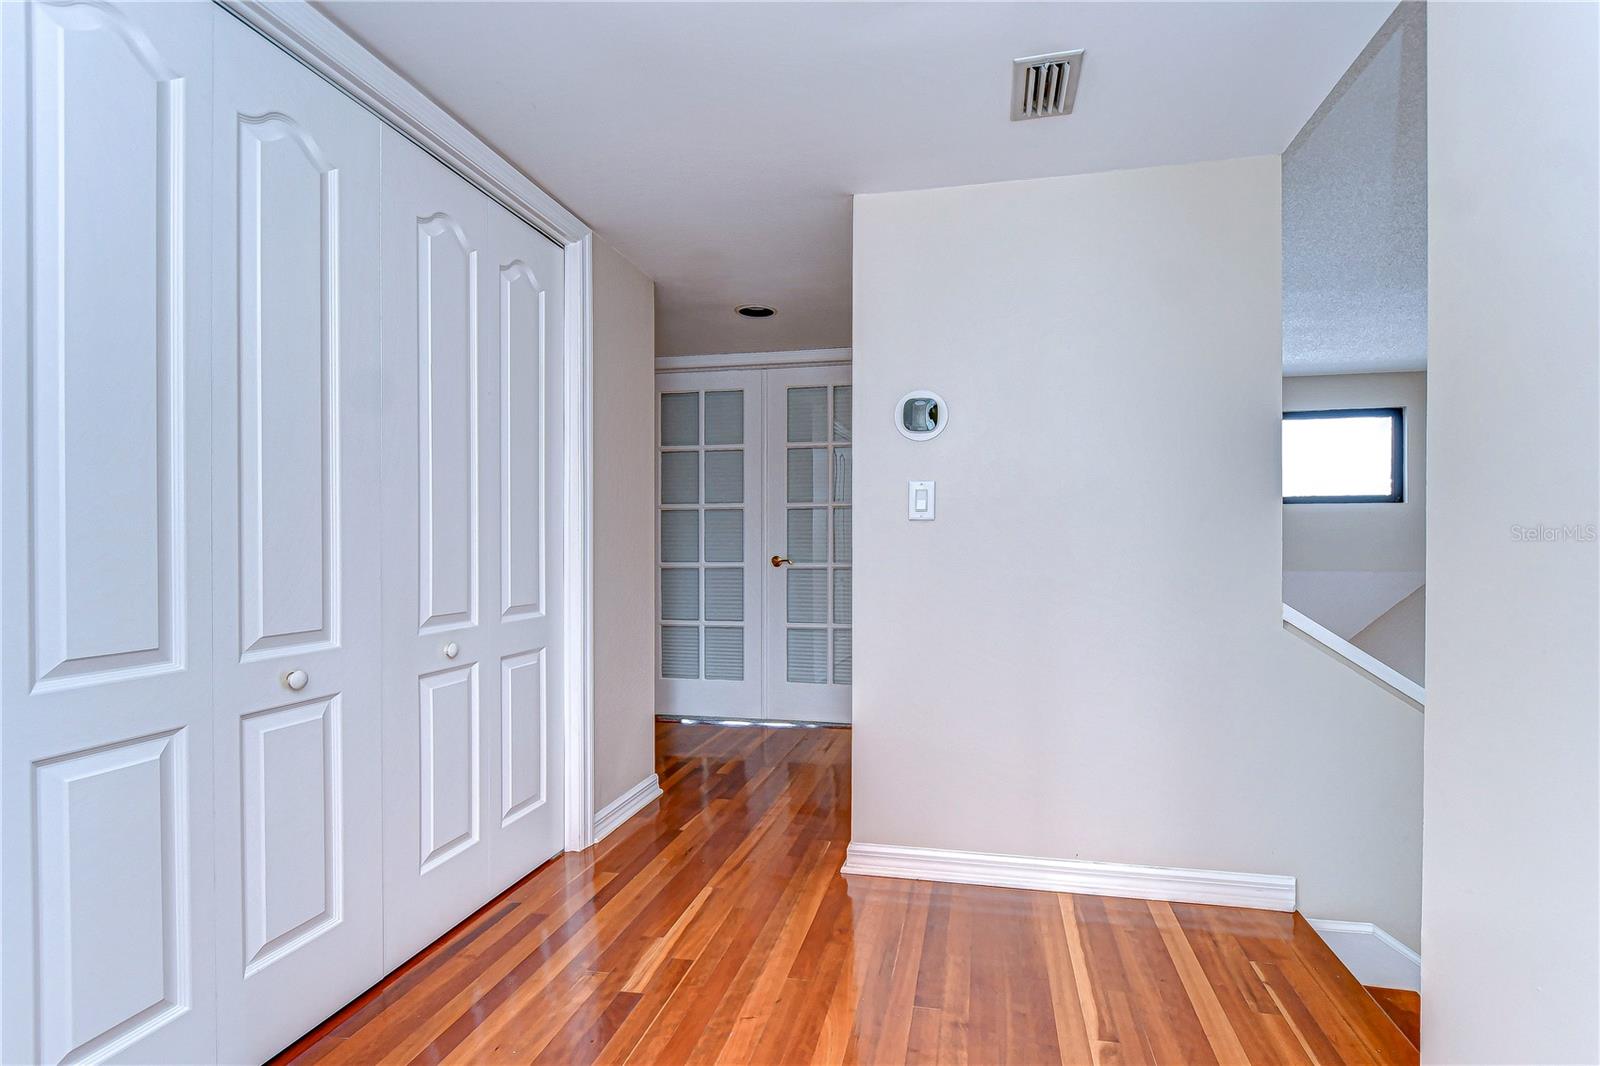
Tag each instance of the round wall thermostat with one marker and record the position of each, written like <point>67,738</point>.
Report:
<point>920,415</point>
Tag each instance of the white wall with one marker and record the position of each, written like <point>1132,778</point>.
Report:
<point>1398,637</point>
<point>1083,656</point>
<point>624,524</point>
<point>1348,565</point>
<point>1511,906</point>
<point>1362,536</point>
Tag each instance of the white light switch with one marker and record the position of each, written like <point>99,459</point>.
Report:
<point>919,501</point>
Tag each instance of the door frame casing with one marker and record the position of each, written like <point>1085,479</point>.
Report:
<point>313,39</point>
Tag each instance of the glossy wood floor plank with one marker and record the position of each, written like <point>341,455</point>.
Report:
<point>714,927</point>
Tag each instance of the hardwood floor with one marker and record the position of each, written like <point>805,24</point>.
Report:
<point>715,927</point>
<point>1404,1008</point>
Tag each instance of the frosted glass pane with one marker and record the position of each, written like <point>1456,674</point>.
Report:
<point>725,477</point>
<point>680,651</point>
<point>808,534</point>
<point>725,595</point>
<point>808,596</point>
<point>841,535</point>
<point>724,653</point>
<point>680,594</point>
<point>841,475</point>
<point>807,658</point>
<point>724,536</point>
<point>680,418</point>
<point>680,477</point>
<point>841,597</point>
<point>725,417</point>
<point>808,475</point>
<point>841,657</point>
<point>680,536</point>
<point>841,412</point>
<point>808,414</point>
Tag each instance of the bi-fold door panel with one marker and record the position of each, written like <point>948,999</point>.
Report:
<point>296,528</point>
<point>105,540</point>
<point>472,319</point>
<point>708,544</point>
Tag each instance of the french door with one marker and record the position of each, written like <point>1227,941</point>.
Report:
<point>753,544</point>
<point>807,517</point>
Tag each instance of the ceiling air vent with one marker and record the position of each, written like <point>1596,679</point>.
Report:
<point>1042,86</point>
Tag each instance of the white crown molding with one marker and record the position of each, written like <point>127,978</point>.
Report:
<point>1342,649</point>
<point>626,806</point>
<point>754,360</point>
<point>1274,892</point>
<point>311,37</point>
<point>1372,956</point>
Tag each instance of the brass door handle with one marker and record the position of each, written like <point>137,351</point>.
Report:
<point>778,560</point>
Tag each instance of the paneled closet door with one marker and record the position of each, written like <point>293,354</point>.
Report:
<point>472,321</point>
<point>295,482</point>
<point>105,533</point>
<point>708,544</point>
<point>808,524</point>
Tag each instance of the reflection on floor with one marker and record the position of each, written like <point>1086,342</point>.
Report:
<point>714,926</point>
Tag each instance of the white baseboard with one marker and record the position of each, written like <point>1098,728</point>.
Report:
<point>1371,954</point>
<point>625,806</point>
<point>1273,892</point>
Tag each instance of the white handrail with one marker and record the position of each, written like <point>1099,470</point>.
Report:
<point>1380,672</point>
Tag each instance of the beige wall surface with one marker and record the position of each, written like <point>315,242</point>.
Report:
<point>1511,863</point>
<point>624,524</point>
<point>1083,656</point>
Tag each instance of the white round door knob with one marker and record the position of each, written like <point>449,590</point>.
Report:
<point>295,680</point>
<point>451,650</point>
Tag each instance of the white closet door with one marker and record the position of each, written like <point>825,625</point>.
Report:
<point>472,519</point>
<point>523,542</point>
<point>296,387</point>
<point>808,523</point>
<point>105,533</point>
<point>708,544</point>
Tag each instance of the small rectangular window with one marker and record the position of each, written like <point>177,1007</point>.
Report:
<point>1350,456</point>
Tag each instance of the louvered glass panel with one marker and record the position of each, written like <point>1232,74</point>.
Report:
<point>680,419</point>
<point>724,595</point>
<point>725,417</point>
<point>680,594</point>
<point>807,475</point>
<point>841,412</point>
<point>680,651</point>
<point>680,477</point>
<point>724,653</point>
<point>841,475</point>
<point>807,656</point>
<point>680,536</point>
<point>808,415</point>
<point>841,534</point>
<point>725,477</point>
<point>841,657</point>
<point>807,596</point>
<point>808,534</point>
<point>725,536</point>
<point>841,597</point>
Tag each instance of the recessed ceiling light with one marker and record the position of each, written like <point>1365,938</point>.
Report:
<point>755,311</point>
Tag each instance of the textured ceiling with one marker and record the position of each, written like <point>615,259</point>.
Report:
<point>1355,215</point>
<point>717,145</point>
